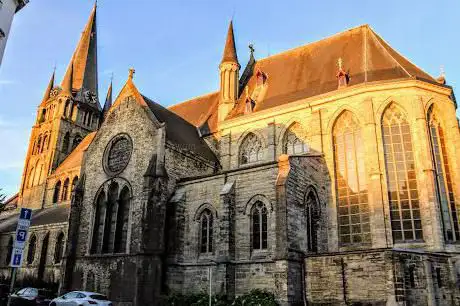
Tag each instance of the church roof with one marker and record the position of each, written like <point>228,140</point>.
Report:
<point>230,49</point>
<point>311,69</point>
<point>84,59</point>
<point>75,158</point>
<point>45,216</point>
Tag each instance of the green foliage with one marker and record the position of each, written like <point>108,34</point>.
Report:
<point>253,298</point>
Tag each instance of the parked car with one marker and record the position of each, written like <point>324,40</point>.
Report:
<point>32,296</point>
<point>81,298</point>
<point>4,292</point>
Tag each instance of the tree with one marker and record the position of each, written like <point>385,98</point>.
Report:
<point>2,201</point>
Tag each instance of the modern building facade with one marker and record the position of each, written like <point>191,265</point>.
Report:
<point>8,8</point>
<point>327,174</point>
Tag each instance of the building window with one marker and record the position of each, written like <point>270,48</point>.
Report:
<point>57,190</point>
<point>406,224</point>
<point>350,179</point>
<point>98,222</point>
<point>206,231</point>
<point>293,140</point>
<point>77,139</point>
<point>121,232</point>
<point>439,277</point>
<point>59,248</point>
<point>259,226</point>
<point>65,143</point>
<point>312,211</point>
<point>443,180</point>
<point>251,150</point>
<point>9,251</point>
<point>65,190</point>
<point>31,250</point>
<point>110,218</point>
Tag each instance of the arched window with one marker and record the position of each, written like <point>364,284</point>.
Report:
<point>31,250</point>
<point>57,190</point>
<point>443,180</point>
<point>110,219</point>
<point>259,226</point>
<point>31,177</point>
<point>65,190</point>
<point>43,256</point>
<point>65,143</point>
<point>206,231</point>
<point>122,221</point>
<point>77,139</point>
<point>66,108</point>
<point>59,248</point>
<point>292,142</point>
<point>312,211</point>
<point>251,150</point>
<point>98,228</point>
<point>350,179</point>
<point>74,184</point>
<point>45,143</point>
<point>9,251</point>
<point>400,170</point>
<point>39,145</point>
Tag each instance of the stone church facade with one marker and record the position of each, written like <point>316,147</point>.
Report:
<point>327,174</point>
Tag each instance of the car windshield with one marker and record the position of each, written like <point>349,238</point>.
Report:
<point>99,297</point>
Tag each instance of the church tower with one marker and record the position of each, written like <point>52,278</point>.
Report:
<point>229,69</point>
<point>65,116</point>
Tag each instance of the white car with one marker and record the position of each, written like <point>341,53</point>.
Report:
<point>81,298</point>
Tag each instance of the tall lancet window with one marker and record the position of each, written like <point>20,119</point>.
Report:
<point>402,182</point>
<point>251,150</point>
<point>294,140</point>
<point>206,231</point>
<point>351,183</point>
<point>259,237</point>
<point>443,180</point>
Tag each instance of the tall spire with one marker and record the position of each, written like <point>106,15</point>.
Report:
<point>84,59</point>
<point>48,89</point>
<point>68,79</point>
<point>108,101</point>
<point>230,49</point>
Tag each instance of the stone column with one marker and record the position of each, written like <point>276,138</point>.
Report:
<point>379,214</point>
<point>429,206</point>
<point>271,141</point>
<point>316,145</point>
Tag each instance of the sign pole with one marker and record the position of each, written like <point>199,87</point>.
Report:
<point>13,280</point>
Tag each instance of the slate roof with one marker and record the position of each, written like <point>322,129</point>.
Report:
<point>310,70</point>
<point>74,159</point>
<point>230,49</point>
<point>45,216</point>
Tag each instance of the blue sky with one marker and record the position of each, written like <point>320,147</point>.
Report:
<point>176,45</point>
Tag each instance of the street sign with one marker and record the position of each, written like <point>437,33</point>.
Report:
<point>16,258</point>
<point>21,236</point>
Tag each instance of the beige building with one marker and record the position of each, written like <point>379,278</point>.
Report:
<point>327,174</point>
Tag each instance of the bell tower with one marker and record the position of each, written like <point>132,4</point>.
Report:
<point>65,116</point>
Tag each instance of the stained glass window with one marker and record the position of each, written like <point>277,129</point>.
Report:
<point>443,181</point>
<point>294,140</point>
<point>351,183</point>
<point>259,226</point>
<point>251,150</point>
<point>206,231</point>
<point>401,179</point>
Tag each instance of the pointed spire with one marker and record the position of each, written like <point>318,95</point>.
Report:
<point>230,49</point>
<point>108,100</point>
<point>49,88</point>
<point>84,59</point>
<point>68,79</point>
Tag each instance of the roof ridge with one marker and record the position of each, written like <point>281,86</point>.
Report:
<point>314,42</point>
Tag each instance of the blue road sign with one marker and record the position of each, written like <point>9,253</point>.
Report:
<point>21,235</point>
<point>25,214</point>
<point>16,258</point>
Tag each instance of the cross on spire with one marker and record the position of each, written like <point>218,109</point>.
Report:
<point>131,73</point>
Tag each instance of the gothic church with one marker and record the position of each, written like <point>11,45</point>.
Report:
<point>327,174</point>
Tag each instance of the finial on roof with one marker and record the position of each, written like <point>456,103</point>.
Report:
<point>230,49</point>
<point>340,63</point>
<point>251,48</point>
<point>442,77</point>
<point>49,88</point>
<point>247,91</point>
<point>342,76</point>
<point>131,73</point>
<point>68,79</point>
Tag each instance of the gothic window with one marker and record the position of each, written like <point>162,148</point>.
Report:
<point>98,227</point>
<point>31,177</point>
<point>43,256</point>
<point>74,184</point>
<point>443,180</point>
<point>350,180</point>
<point>57,190</point>
<point>293,143</point>
<point>38,174</point>
<point>65,190</point>
<point>122,221</point>
<point>110,219</point>
<point>76,141</point>
<point>59,248</point>
<point>65,143</point>
<point>45,143</point>
<point>401,179</point>
<point>312,211</point>
<point>206,221</point>
<point>39,145</point>
<point>251,150</point>
<point>9,251</point>
<point>31,249</point>
<point>66,108</point>
<point>259,226</point>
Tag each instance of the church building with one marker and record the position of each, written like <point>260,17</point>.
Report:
<point>327,174</point>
